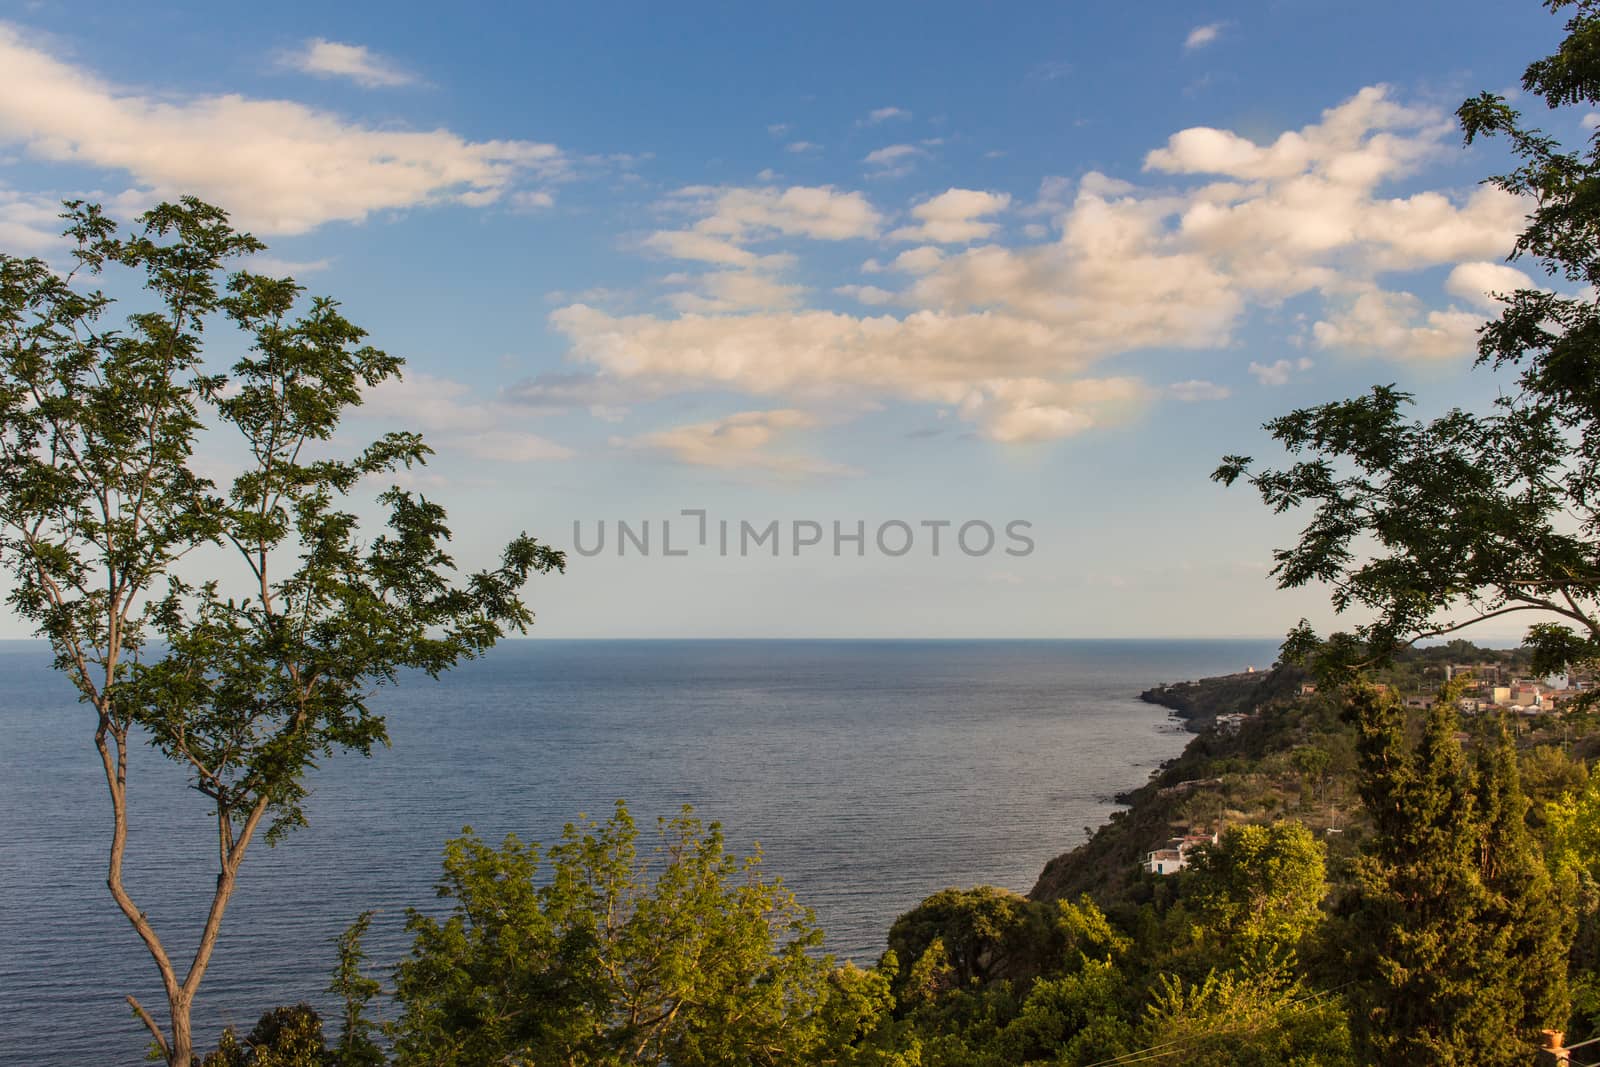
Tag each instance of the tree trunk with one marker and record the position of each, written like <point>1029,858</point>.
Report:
<point>181,1051</point>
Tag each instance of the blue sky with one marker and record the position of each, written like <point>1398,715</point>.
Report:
<point>867,263</point>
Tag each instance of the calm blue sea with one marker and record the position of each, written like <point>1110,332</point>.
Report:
<point>872,773</point>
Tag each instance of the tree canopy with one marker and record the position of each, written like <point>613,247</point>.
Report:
<point>247,676</point>
<point>597,951</point>
<point>1430,526</point>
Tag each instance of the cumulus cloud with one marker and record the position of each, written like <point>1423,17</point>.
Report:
<point>1035,409</point>
<point>1478,283</point>
<point>798,147</point>
<point>734,290</point>
<point>954,217</point>
<point>818,212</point>
<point>1011,337</point>
<point>1378,322</point>
<point>992,368</point>
<point>1278,372</point>
<point>732,218</point>
<point>331,59</point>
<point>279,166</point>
<point>737,442</point>
<point>1201,36</point>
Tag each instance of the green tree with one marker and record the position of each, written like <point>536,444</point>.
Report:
<point>1259,889</point>
<point>1261,1017</point>
<point>1457,938</point>
<point>1572,854</point>
<point>686,955</point>
<point>1312,763</point>
<point>283,1037</point>
<point>356,990</point>
<point>984,933</point>
<point>1432,526</point>
<point>1572,825</point>
<point>247,678</point>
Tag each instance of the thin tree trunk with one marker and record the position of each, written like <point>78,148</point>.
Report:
<point>178,1048</point>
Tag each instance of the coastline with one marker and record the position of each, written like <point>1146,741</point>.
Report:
<point>1105,864</point>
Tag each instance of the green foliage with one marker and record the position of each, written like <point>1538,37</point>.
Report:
<point>250,677</point>
<point>1259,889</point>
<point>1074,1018</point>
<point>686,955</point>
<point>1477,515</point>
<point>284,1037</point>
<point>1262,1018</point>
<point>1572,824</point>
<point>1458,938</point>
<point>355,989</point>
<point>980,934</point>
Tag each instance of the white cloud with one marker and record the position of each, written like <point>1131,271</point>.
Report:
<point>736,290</point>
<point>884,114</point>
<point>737,442</point>
<point>866,294</point>
<point>1278,372</point>
<point>1033,409</point>
<point>734,216</point>
<point>532,200</point>
<point>331,59</point>
<point>708,248</point>
<point>29,223</point>
<point>509,446</point>
<point>1478,282</point>
<point>291,268</point>
<point>1197,389</point>
<point>893,161</point>
<point>1380,322</point>
<point>953,217</point>
<point>990,366</point>
<point>923,260</point>
<point>819,212</point>
<point>426,401</point>
<point>1201,36</point>
<point>802,146</point>
<point>455,421</point>
<point>1013,337</point>
<point>278,166</point>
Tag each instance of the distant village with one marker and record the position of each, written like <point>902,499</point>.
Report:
<point>1483,688</point>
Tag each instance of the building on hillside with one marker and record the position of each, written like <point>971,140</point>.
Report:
<point>1480,672</point>
<point>1174,856</point>
<point>1230,723</point>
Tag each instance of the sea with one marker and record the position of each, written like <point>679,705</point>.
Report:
<point>870,774</point>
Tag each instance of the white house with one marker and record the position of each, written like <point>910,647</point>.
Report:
<point>1174,857</point>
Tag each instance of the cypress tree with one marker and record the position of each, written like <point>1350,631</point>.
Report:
<point>1536,916</point>
<point>1458,937</point>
